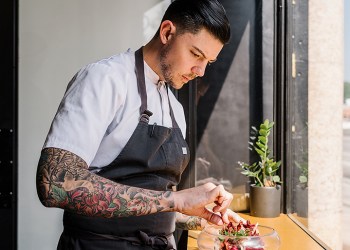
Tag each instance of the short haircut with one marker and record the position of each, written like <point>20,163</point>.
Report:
<point>193,15</point>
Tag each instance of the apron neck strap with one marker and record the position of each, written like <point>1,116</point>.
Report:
<point>175,125</point>
<point>140,75</point>
<point>141,85</point>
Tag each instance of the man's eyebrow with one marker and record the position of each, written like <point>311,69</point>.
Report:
<point>202,53</point>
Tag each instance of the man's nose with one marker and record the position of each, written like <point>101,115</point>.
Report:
<point>198,70</point>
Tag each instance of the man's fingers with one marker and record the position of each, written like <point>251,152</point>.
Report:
<point>234,217</point>
<point>225,218</point>
<point>230,216</point>
<point>221,218</point>
<point>205,195</point>
<point>222,199</point>
<point>213,218</point>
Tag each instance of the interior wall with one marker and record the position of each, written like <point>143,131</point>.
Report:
<point>56,38</point>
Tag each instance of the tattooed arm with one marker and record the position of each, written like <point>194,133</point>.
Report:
<point>186,222</point>
<point>63,181</point>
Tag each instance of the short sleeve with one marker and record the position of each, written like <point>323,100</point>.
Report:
<point>92,99</point>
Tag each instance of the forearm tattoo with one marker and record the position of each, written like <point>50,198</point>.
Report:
<point>185,222</point>
<point>64,181</point>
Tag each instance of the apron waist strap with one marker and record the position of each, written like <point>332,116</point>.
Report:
<point>160,242</point>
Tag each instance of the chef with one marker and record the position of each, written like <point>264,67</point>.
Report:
<point>116,149</point>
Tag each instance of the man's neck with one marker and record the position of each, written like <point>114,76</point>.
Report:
<point>152,57</point>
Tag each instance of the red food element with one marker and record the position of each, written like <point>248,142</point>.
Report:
<point>234,236</point>
<point>241,229</point>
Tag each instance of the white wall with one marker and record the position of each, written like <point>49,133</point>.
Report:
<point>56,38</point>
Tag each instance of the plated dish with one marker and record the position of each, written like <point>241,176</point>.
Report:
<point>242,236</point>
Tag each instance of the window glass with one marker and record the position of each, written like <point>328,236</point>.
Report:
<point>297,109</point>
<point>230,100</point>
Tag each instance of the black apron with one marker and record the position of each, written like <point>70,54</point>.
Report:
<point>153,158</point>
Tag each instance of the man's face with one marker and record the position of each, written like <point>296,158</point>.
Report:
<point>186,56</point>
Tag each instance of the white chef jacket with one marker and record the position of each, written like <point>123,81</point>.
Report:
<point>101,108</point>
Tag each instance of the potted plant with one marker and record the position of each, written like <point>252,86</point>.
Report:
<point>265,191</point>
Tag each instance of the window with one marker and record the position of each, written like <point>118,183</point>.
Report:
<point>265,73</point>
<point>235,94</point>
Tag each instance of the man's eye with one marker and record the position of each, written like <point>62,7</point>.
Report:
<point>195,55</point>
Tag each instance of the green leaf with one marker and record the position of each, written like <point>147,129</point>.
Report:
<point>262,139</point>
<point>263,132</point>
<point>264,126</point>
<point>278,164</point>
<point>271,162</point>
<point>257,172</point>
<point>276,178</point>
<point>259,151</point>
<point>303,179</point>
<point>251,174</point>
<point>261,146</point>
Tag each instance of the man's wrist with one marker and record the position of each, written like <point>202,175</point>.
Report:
<point>173,201</point>
<point>168,201</point>
<point>186,222</point>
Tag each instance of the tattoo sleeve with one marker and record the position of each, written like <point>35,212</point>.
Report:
<point>63,180</point>
<point>185,222</point>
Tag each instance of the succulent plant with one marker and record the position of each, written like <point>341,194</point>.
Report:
<point>265,170</point>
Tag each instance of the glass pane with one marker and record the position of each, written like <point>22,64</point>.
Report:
<point>299,149</point>
<point>297,124</point>
<point>229,101</point>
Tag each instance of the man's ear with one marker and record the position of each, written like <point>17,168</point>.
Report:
<point>166,31</point>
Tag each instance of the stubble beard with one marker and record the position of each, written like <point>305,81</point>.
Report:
<point>164,66</point>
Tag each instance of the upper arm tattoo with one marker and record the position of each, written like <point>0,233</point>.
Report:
<point>63,180</point>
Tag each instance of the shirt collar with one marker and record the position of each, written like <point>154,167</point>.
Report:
<point>150,74</point>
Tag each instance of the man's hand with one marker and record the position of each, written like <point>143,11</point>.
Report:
<point>231,216</point>
<point>193,201</point>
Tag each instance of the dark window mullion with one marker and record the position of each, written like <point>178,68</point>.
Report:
<point>8,123</point>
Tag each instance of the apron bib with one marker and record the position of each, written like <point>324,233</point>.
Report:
<point>153,158</point>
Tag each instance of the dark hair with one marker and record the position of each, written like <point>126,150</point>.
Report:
<point>193,15</point>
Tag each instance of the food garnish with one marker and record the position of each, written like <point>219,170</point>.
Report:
<point>233,236</point>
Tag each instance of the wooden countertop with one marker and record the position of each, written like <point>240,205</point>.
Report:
<point>292,236</point>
